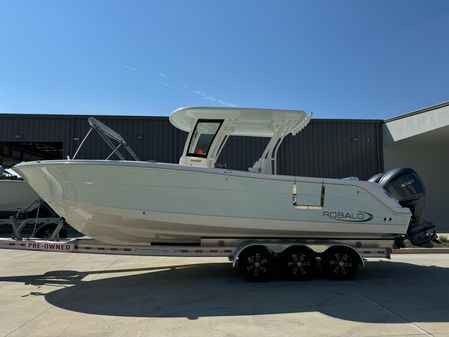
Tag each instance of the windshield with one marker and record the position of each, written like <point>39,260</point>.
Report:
<point>202,137</point>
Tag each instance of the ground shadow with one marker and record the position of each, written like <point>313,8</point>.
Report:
<point>385,292</point>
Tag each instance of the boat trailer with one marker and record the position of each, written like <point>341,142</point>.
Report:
<point>245,254</point>
<point>46,223</point>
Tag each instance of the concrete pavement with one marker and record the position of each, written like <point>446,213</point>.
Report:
<point>57,294</point>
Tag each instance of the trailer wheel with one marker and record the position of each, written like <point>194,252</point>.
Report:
<point>256,263</point>
<point>298,263</point>
<point>340,263</point>
<point>45,231</point>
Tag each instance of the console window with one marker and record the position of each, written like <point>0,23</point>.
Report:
<point>202,137</point>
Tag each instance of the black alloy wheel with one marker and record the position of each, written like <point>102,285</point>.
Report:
<point>298,263</point>
<point>340,263</point>
<point>256,263</point>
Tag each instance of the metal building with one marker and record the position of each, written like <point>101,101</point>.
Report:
<point>420,139</point>
<point>325,148</point>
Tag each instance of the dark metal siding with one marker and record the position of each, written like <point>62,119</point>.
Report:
<point>333,149</point>
<point>325,148</point>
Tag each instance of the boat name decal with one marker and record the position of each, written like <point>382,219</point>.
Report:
<point>359,216</point>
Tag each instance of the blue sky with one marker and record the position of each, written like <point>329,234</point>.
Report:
<point>337,59</point>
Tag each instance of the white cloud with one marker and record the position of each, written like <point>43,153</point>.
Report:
<point>130,68</point>
<point>212,98</point>
<point>202,94</point>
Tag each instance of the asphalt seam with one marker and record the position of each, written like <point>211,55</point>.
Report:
<point>397,314</point>
<point>388,335</point>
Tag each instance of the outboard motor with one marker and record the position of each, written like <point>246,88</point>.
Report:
<point>407,188</point>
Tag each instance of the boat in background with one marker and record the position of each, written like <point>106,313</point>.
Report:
<point>15,193</point>
<point>145,202</point>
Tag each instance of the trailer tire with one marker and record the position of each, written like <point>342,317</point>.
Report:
<point>45,231</point>
<point>340,263</point>
<point>256,263</point>
<point>298,263</point>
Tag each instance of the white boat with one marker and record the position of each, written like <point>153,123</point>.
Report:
<point>15,193</point>
<point>138,202</point>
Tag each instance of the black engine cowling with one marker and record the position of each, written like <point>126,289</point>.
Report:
<point>407,188</point>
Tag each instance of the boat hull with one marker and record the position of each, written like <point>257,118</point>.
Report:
<point>140,203</point>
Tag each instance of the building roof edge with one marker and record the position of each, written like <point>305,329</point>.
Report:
<point>417,112</point>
